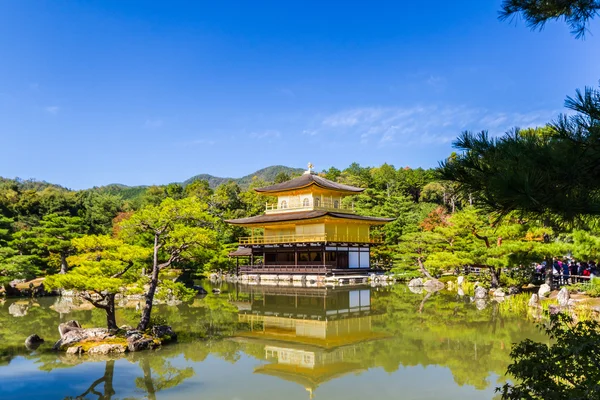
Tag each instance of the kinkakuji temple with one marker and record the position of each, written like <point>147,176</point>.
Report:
<point>310,230</point>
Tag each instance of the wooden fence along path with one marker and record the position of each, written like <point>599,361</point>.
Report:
<point>557,280</point>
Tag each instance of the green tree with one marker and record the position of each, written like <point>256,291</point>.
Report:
<point>52,237</point>
<point>569,368</point>
<point>172,230</point>
<point>468,238</point>
<point>281,177</point>
<point>174,191</point>
<point>154,195</point>
<point>104,268</point>
<point>199,188</point>
<point>576,13</point>
<point>551,174</point>
<point>332,174</point>
<point>99,209</point>
<point>12,264</point>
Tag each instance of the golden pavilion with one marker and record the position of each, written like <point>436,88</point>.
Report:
<point>309,230</point>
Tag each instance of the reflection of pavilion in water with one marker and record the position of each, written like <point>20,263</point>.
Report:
<point>310,335</point>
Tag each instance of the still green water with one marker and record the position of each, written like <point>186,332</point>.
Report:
<point>275,343</point>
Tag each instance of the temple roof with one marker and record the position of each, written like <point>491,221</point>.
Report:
<point>306,180</point>
<point>241,252</point>
<point>303,215</point>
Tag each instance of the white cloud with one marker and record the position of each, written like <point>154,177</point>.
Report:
<point>153,123</point>
<point>309,132</point>
<point>52,109</point>
<point>422,125</point>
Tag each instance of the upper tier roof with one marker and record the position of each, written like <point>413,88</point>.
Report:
<point>304,215</point>
<point>306,180</point>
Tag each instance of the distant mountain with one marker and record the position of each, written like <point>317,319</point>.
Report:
<point>30,184</point>
<point>135,193</point>
<point>266,174</point>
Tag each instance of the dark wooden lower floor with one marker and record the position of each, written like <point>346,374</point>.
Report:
<point>301,270</point>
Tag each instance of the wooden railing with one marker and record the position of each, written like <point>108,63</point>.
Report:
<point>286,269</point>
<point>563,280</point>
<point>326,205</point>
<point>310,238</point>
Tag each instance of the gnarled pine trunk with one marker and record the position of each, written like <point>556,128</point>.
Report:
<point>64,266</point>
<point>495,277</point>
<point>147,310</point>
<point>111,319</point>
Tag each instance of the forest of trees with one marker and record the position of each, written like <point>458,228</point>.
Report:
<point>46,229</point>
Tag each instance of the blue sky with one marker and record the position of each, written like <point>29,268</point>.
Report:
<point>151,92</point>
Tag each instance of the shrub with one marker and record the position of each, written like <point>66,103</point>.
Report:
<point>566,369</point>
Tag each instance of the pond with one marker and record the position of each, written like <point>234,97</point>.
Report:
<point>273,342</point>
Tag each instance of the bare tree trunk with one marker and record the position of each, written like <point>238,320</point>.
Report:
<point>423,270</point>
<point>111,319</point>
<point>495,277</point>
<point>147,310</point>
<point>64,266</point>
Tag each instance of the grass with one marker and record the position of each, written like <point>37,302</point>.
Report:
<point>468,287</point>
<point>516,304</point>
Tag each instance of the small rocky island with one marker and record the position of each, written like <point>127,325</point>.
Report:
<point>75,339</point>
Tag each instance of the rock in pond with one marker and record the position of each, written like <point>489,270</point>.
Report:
<point>105,349</point>
<point>563,297</point>
<point>545,290</point>
<point>499,293</point>
<point>460,280</point>
<point>75,350</point>
<point>199,289</point>
<point>141,343</point>
<point>433,285</point>
<point>480,292</point>
<point>513,290</point>
<point>164,332</point>
<point>77,335</point>
<point>417,282</point>
<point>33,342</point>
<point>534,301</point>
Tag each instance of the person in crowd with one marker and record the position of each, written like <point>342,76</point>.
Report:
<point>573,267</point>
<point>556,267</point>
<point>582,267</point>
<point>565,267</point>
<point>593,269</point>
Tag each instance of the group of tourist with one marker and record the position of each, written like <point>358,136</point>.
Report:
<point>570,267</point>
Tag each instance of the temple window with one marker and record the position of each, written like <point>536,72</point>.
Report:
<point>284,204</point>
<point>317,202</point>
<point>305,202</point>
<point>336,204</point>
